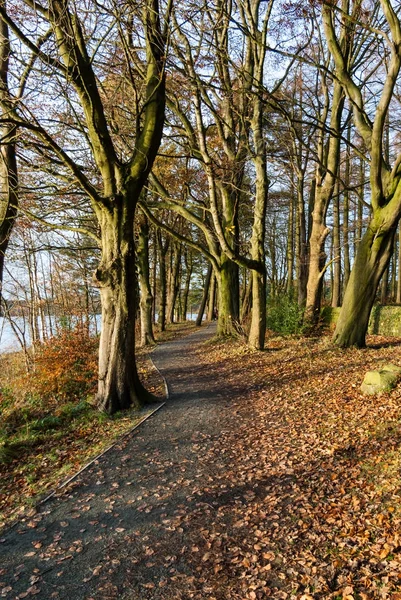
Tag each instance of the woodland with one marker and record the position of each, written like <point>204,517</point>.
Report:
<point>229,154</point>
<point>167,164</point>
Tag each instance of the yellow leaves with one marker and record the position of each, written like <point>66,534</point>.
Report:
<point>348,593</point>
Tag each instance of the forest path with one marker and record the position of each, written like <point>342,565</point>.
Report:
<point>123,528</point>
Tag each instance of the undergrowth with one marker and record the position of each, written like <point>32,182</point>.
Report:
<point>284,316</point>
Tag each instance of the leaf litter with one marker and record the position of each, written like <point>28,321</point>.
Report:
<point>297,495</point>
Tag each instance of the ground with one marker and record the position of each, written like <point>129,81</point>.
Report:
<point>265,475</point>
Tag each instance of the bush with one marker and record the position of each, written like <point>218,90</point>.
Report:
<point>284,316</point>
<point>66,367</point>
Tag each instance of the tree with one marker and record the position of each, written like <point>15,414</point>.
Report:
<point>8,159</point>
<point>375,249</point>
<point>114,177</point>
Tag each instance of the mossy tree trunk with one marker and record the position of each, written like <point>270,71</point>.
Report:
<point>326,173</point>
<point>118,386</point>
<point>375,248</point>
<point>373,255</point>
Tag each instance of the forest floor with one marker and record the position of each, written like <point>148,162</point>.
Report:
<point>265,475</point>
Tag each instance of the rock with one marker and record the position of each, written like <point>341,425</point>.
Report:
<point>382,380</point>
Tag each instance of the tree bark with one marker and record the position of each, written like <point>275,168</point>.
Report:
<point>373,255</point>
<point>202,306</point>
<point>336,289</point>
<point>8,159</point>
<point>119,386</point>
<point>228,307</point>
<point>163,249</point>
<point>325,181</point>
<point>211,305</point>
<point>187,285</point>
<point>146,296</point>
<point>174,281</point>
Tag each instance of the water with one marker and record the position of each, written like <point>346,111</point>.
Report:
<point>10,342</point>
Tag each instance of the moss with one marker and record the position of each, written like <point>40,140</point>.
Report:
<point>384,320</point>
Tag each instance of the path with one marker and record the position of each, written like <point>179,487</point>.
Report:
<point>123,528</point>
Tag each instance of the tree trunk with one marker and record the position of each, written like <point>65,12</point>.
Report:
<point>398,297</point>
<point>146,296</point>
<point>119,386</point>
<point>8,156</point>
<point>373,255</point>
<point>247,302</point>
<point>188,275</point>
<point>346,209</point>
<point>211,299</point>
<point>257,332</point>
<point>329,154</point>
<point>384,287</point>
<point>300,244</point>
<point>228,290</point>
<point>174,279</point>
<point>336,289</point>
<point>163,248</point>
<point>202,306</point>
<point>290,248</point>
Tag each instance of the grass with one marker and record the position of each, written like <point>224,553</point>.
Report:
<point>47,436</point>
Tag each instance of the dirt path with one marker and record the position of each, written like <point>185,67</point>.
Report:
<point>123,527</point>
<point>266,475</point>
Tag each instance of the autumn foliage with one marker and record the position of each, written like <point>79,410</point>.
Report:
<point>66,366</point>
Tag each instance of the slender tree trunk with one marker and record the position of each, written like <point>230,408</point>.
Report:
<point>204,296</point>
<point>336,289</point>
<point>174,279</point>
<point>154,276</point>
<point>163,248</point>
<point>398,297</point>
<point>227,280</point>
<point>247,302</point>
<point>325,183</point>
<point>211,299</point>
<point>290,248</point>
<point>384,287</point>
<point>188,275</point>
<point>300,243</point>
<point>146,297</point>
<point>257,332</point>
<point>393,291</point>
<point>346,209</point>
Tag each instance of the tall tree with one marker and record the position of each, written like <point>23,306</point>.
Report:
<point>113,179</point>
<point>375,249</point>
<point>8,159</point>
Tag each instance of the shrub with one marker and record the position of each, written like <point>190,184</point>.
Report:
<point>284,316</point>
<point>65,366</point>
